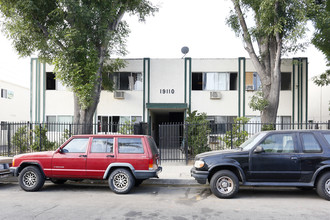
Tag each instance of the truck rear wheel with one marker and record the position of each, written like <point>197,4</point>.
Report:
<point>121,181</point>
<point>224,184</point>
<point>323,186</point>
<point>31,179</point>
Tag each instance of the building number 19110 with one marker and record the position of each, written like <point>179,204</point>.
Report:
<point>167,91</point>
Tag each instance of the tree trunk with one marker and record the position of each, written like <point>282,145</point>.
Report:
<point>83,117</point>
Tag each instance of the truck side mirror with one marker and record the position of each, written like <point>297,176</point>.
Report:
<point>259,149</point>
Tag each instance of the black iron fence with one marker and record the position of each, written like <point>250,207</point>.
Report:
<point>177,142</point>
<point>181,142</point>
<point>16,138</point>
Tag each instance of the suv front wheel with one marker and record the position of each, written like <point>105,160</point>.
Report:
<point>121,181</point>
<point>31,179</point>
<point>323,186</point>
<point>224,184</point>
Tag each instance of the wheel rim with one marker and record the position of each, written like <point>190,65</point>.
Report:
<point>29,179</point>
<point>327,186</point>
<point>120,180</point>
<point>225,185</point>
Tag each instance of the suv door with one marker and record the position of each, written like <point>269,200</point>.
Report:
<point>101,154</point>
<point>70,161</point>
<point>278,162</point>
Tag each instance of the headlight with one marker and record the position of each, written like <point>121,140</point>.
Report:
<point>199,164</point>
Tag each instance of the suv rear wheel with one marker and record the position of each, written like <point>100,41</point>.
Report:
<point>31,179</point>
<point>224,184</point>
<point>121,181</point>
<point>323,186</point>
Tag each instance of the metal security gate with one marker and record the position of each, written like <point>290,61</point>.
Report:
<point>172,143</point>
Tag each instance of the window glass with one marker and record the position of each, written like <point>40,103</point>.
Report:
<point>50,81</point>
<point>102,145</point>
<point>153,146</point>
<point>310,145</point>
<point>197,81</point>
<point>285,81</point>
<point>77,145</point>
<point>216,81</point>
<point>278,143</point>
<point>327,137</point>
<point>130,146</point>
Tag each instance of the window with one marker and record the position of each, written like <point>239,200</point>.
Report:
<point>102,145</point>
<point>327,137</point>
<point>153,146</point>
<point>77,145</point>
<point>127,81</point>
<point>130,146</point>
<point>278,143</point>
<point>59,122</point>
<point>4,125</point>
<point>4,93</point>
<point>112,123</point>
<point>310,145</point>
<point>285,81</point>
<point>210,81</point>
<point>50,81</point>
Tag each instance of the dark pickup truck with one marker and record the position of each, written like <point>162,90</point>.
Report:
<point>271,158</point>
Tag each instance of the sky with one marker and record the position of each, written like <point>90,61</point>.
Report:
<point>199,25</point>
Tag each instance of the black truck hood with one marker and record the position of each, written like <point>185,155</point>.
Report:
<point>218,153</point>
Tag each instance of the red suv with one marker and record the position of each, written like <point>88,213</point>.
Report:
<point>125,160</point>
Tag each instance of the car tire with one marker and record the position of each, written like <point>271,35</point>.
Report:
<point>121,181</point>
<point>224,184</point>
<point>323,186</point>
<point>58,181</point>
<point>31,179</point>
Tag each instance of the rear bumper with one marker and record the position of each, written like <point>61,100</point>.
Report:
<point>146,174</point>
<point>14,171</point>
<point>199,175</point>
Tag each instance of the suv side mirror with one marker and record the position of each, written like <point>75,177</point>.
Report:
<point>60,150</point>
<point>259,149</point>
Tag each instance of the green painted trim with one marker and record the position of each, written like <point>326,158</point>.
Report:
<point>306,79</point>
<point>293,88</point>
<point>244,85</point>
<point>144,89</point>
<point>39,88</point>
<point>31,91</point>
<point>44,94</point>
<point>148,80</point>
<point>36,91</point>
<point>190,82</point>
<point>167,105</point>
<point>299,85</point>
<point>301,90</point>
<point>185,80</point>
<point>239,86</point>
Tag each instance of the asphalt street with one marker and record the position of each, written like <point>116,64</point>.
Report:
<point>157,201</point>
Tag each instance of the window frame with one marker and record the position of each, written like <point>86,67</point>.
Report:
<point>302,143</point>
<point>126,138</point>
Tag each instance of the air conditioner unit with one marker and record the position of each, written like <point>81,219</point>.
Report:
<point>215,95</point>
<point>249,88</point>
<point>118,95</point>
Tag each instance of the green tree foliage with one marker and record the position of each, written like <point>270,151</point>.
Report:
<point>276,27</point>
<point>198,129</point>
<point>78,37</point>
<point>22,139</point>
<point>41,142</point>
<point>237,135</point>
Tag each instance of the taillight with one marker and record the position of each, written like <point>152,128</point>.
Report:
<point>151,163</point>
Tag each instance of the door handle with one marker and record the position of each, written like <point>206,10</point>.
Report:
<point>294,158</point>
<point>111,156</point>
<point>82,155</point>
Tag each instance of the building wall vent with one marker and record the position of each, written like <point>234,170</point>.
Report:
<point>215,95</point>
<point>118,95</point>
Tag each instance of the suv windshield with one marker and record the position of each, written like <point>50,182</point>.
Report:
<point>247,145</point>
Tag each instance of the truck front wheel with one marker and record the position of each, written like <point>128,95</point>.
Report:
<point>31,179</point>
<point>224,184</point>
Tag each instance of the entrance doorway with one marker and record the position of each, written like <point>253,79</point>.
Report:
<point>162,116</point>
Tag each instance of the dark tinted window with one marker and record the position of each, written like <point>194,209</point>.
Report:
<point>130,146</point>
<point>310,145</point>
<point>327,137</point>
<point>153,146</point>
<point>50,81</point>
<point>102,145</point>
<point>278,143</point>
<point>77,145</point>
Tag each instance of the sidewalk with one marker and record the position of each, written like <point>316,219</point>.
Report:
<point>174,174</point>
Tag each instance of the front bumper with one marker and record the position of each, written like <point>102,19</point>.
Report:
<point>201,176</point>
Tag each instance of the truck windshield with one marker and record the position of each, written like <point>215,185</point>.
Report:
<point>247,145</point>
